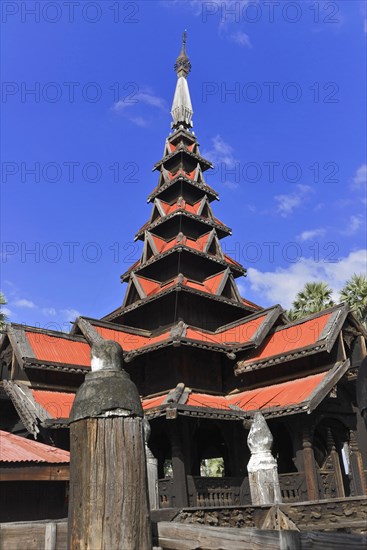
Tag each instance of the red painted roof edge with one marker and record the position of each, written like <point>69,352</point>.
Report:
<point>15,449</point>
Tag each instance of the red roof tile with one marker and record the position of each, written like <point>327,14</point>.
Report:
<point>210,285</point>
<point>277,395</point>
<point>128,341</point>
<point>281,395</point>
<point>288,338</point>
<point>284,394</point>
<point>153,402</point>
<point>18,449</point>
<point>57,404</point>
<point>239,334</point>
<point>56,349</point>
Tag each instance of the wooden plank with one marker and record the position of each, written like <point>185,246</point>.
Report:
<point>332,541</point>
<point>57,472</point>
<point>90,333</point>
<point>178,536</point>
<point>31,535</point>
<point>108,505</point>
<point>327,384</point>
<point>50,536</point>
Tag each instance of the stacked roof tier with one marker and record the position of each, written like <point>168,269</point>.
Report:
<point>183,273</point>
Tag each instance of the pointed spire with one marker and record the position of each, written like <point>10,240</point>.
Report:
<point>181,108</point>
<point>183,65</point>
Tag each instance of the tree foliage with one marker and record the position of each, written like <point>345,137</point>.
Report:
<point>354,293</point>
<point>3,318</point>
<point>314,297</point>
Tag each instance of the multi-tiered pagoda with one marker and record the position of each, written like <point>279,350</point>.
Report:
<point>203,358</point>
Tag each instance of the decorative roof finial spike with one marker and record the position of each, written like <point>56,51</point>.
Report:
<point>183,65</point>
<point>181,108</point>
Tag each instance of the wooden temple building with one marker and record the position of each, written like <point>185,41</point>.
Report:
<point>204,358</point>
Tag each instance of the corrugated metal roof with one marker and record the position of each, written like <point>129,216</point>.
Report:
<point>57,404</point>
<point>281,395</point>
<point>59,350</point>
<point>18,449</point>
<point>290,338</point>
<point>284,394</point>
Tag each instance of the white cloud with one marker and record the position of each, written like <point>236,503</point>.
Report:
<point>240,38</point>
<point>70,314</point>
<point>24,303</point>
<point>311,234</point>
<point>144,96</point>
<point>283,284</point>
<point>288,203</point>
<point>6,311</point>
<point>134,101</point>
<point>221,151</point>
<point>360,177</point>
<point>139,121</point>
<point>49,311</point>
<point>228,13</point>
<point>354,224</point>
<point>221,154</point>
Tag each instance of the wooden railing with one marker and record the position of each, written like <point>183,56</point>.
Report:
<point>293,487</point>
<point>327,484</point>
<point>207,491</point>
<point>166,493</point>
<point>217,491</point>
<point>235,491</point>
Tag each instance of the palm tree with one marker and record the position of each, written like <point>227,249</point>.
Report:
<point>314,297</point>
<point>354,293</point>
<point>3,318</point>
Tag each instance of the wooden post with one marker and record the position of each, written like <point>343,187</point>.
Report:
<point>310,466</point>
<point>335,464</point>
<point>178,467</point>
<point>152,470</point>
<point>356,467</point>
<point>109,505</point>
<point>262,467</point>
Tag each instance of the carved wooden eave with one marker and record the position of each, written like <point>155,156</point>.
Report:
<point>162,208</point>
<point>212,194</point>
<point>56,367</point>
<point>221,229</point>
<point>324,342</point>
<point>19,342</point>
<point>236,268</point>
<point>177,337</point>
<point>137,295</point>
<point>85,326</point>
<point>176,288</point>
<point>204,163</point>
<point>26,357</point>
<point>175,403</point>
<point>30,412</point>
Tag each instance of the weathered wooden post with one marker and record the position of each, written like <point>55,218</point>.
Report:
<point>152,470</point>
<point>262,467</point>
<point>109,505</point>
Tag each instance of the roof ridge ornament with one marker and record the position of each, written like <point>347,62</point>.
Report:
<point>183,65</point>
<point>181,108</point>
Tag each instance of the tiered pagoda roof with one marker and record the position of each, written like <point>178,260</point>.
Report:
<point>191,342</point>
<point>183,274</point>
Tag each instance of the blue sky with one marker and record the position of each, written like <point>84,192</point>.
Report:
<point>278,92</point>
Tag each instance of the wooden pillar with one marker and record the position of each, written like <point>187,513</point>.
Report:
<point>178,466</point>
<point>335,461</point>
<point>262,467</point>
<point>356,467</point>
<point>109,505</point>
<point>152,470</point>
<point>310,466</point>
